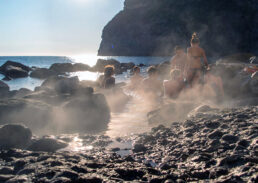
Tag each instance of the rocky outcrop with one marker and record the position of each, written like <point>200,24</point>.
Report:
<point>14,70</point>
<point>14,136</point>
<point>154,27</point>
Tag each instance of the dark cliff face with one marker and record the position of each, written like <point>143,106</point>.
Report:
<point>154,27</point>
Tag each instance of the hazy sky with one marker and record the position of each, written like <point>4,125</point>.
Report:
<point>54,27</point>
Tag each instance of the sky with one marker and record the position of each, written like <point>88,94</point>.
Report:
<point>54,27</point>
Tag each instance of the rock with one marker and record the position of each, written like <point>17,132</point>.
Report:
<point>157,20</point>
<point>4,89</point>
<point>22,93</point>
<point>230,138</point>
<point>129,174</point>
<point>232,161</point>
<point>61,67</point>
<point>47,145</point>
<point>14,136</point>
<point>14,64</point>
<point>81,67</point>
<point>215,134</point>
<point>62,84</point>
<point>101,63</point>
<point>15,72</point>
<point>67,85</point>
<point>90,113</point>
<point>42,73</point>
<point>139,148</point>
<point>34,114</point>
<point>4,178</point>
<point>7,78</point>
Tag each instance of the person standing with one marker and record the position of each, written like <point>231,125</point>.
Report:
<point>195,55</point>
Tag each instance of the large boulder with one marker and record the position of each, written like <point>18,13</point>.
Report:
<point>62,84</point>
<point>14,64</point>
<point>42,73</point>
<point>14,136</point>
<point>47,145</point>
<point>68,67</point>
<point>14,70</point>
<point>87,114</point>
<point>61,67</point>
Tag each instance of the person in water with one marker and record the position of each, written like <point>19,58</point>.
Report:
<point>152,84</point>
<point>195,54</point>
<point>107,80</point>
<point>136,79</point>
<point>179,60</point>
<point>173,87</point>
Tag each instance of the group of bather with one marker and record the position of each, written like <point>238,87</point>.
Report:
<point>188,70</point>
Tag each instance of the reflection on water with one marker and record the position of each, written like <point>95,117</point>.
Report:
<point>77,145</point>
<point>86,75</point>
<point>132,120</point>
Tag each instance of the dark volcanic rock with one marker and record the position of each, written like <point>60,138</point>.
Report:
<point>14,70</point>
<point>68,67</point>
<point>47,145</point>
<point>42,73</point>
<point>154,27</point>
<point>14,64</point>
<point>4,89</point>
<point>62,84</point>
<point>14,136</point>
<point>90,113</point>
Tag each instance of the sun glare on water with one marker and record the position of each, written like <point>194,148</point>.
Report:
<point>89,59</point>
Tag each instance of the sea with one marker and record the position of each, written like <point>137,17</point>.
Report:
<point>47,61</point>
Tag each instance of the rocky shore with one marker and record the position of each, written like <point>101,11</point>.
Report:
<point>219,145</point>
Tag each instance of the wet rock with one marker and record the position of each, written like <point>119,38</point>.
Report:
<point>14,136</point>
<point>6,170</point>
<point>68,174</point>
<point>4,177</point>
<point>14,69</point>
<point>4,89</point>
<point>230,138</point>
<point>233,160</point>
<point>215,135</point>
<point>15,72</point>
<point>139,148</point>
<point>42,73</point>
<point>47,145</point>
<point>129,174</point>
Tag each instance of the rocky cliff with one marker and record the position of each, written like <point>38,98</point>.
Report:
<point>154,27</point>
